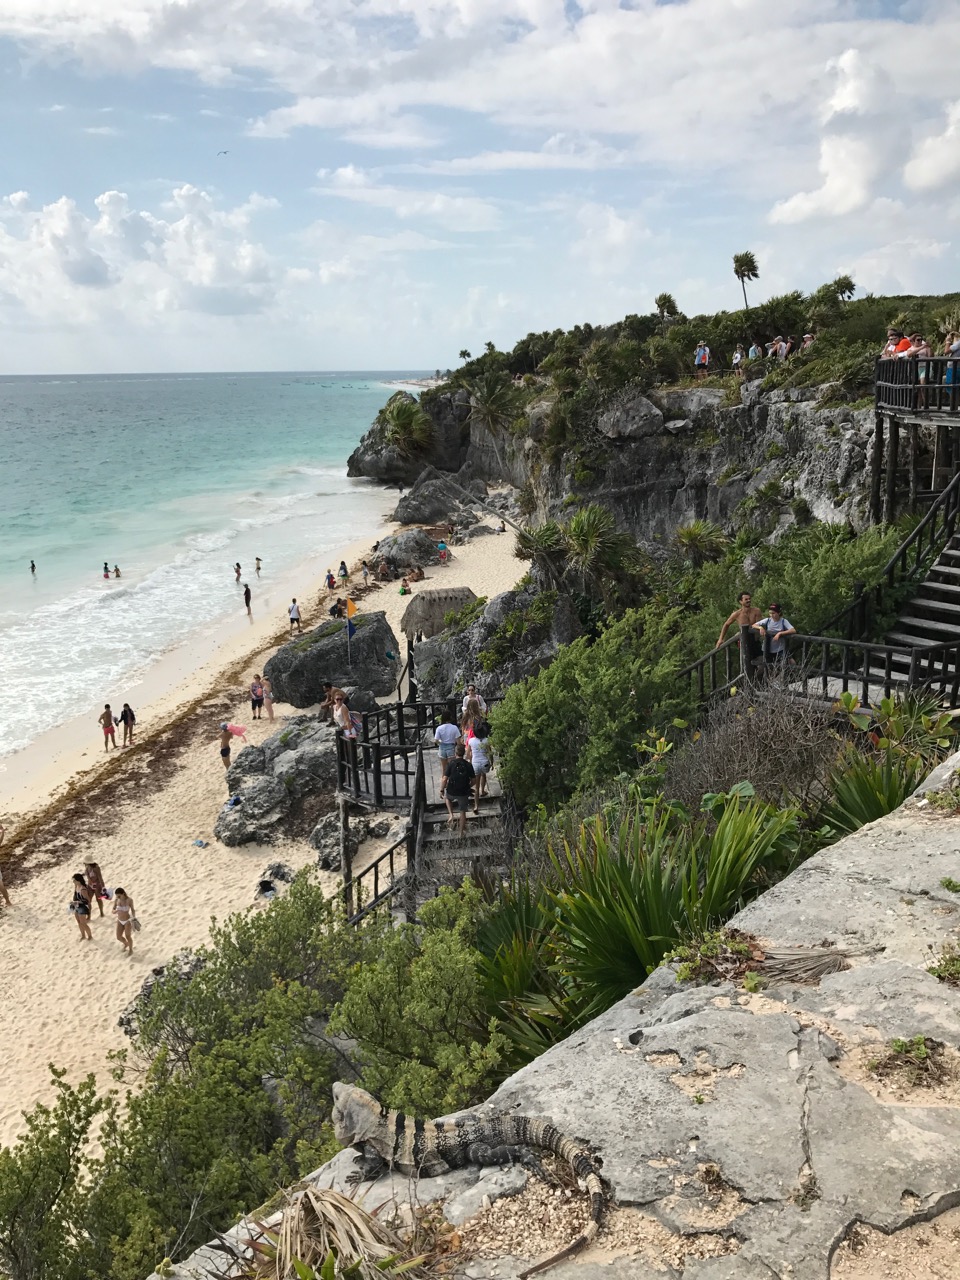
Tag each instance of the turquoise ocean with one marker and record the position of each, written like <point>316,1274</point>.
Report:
<point>173,478</point>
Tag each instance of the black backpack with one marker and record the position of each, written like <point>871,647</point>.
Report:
<point>459,777</point>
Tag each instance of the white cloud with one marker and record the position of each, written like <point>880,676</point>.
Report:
<point>936,160</point>
<point>454,212</point>
<point>607,239</point>
<point>103,131</point>
<point>863,142</point>
<point>560,152</point>
<point>64,265</point>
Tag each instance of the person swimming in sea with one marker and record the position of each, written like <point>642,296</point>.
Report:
<point>106,569</point>
<point>116,571</point>
<point>33,567</point>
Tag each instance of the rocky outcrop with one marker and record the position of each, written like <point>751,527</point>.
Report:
<point>267,782</point>
<point>254,811</point>
<point>409,549</point>
<point>298,669</point>
<point>746,1134</point>
<point>505,629</point>
<point>377,458</point>
<point>434,499</point>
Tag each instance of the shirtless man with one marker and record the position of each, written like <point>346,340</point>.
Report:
<point>105,721</point>
<point>745,615</point>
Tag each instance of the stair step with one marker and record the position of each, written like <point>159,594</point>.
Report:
<point>475,831</point>
<point>945,609</point>
<point>909,622</point>
<point>949,590</point>
<point>951,572</point>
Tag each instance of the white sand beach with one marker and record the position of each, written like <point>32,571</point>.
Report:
<point>138,816</point>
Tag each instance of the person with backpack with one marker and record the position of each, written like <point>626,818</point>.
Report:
<point>461,780</point>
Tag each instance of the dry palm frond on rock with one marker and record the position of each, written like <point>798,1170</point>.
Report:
<point>325,1235</point>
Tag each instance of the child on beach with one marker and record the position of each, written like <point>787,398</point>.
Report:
<point>80,906</point>
<point>365,570</point>
<point>342,572</point>
<point>126,914</point>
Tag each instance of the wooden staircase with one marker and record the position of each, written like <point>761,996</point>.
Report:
<point>932,615</point>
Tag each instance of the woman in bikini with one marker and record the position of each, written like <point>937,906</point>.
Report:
<point>125,912</point>
<point>80,906</point>
<point>267,696</point>
<point>95,882</point>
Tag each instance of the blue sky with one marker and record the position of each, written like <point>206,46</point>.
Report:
<point>408,177</point>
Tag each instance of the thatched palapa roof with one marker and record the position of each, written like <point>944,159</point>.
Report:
<point>427,610</point>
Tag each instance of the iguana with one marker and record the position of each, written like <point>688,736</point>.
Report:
<point>387,1139</point>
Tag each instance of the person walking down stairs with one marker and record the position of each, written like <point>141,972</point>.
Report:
<point>459,791</point>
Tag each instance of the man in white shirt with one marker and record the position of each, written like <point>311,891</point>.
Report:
<point>294,612</point>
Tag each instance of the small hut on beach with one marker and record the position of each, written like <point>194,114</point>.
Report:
<point>426,611</point>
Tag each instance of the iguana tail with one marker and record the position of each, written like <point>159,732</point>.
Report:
<point>546,1136</point>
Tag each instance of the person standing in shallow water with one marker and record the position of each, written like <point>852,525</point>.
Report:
<point>237,571</point>
<point>33,567</point>
<point>258,566</point>
<point>247,597</point>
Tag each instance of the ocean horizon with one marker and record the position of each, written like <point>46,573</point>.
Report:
<point>173,477</point>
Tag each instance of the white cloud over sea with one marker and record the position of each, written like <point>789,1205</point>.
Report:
<point>378,183</point>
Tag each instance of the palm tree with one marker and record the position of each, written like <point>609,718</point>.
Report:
<point>700,541</point>
<point>464,354</point>
<point>494,402</point>
<point>409,427</point>
<point>745,268</point>
<point>597,552</point>
<point>666,305</point>
<point>844,287</point>
<point>545,546</point>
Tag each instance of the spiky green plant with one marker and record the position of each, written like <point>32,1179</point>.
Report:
<point>864,788</point>
<point>700,541</point>
<point>409,427</point>
<point>597,552</point>
<point>666,305</point>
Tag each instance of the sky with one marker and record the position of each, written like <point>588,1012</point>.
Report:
<point>377,184</point>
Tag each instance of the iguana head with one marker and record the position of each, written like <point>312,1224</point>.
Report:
<point>357,1115</point>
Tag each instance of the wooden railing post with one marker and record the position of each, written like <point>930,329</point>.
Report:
<point>346,858</point>
<point>914,664</point>
<point>876,470</point>
<point>375,764</point>
<point>893,461</point>
<point>746,635</point>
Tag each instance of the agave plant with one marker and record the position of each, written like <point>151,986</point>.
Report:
<point>545,546</point>
<point>597,552</point>
<point>409,427</point>
<point>864,788</point>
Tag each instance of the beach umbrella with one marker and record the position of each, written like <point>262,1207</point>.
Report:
<point>427,610</point>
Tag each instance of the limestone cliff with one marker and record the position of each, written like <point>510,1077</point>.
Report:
<point>664,458</point>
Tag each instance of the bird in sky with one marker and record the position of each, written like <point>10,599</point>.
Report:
<point>223,153</point>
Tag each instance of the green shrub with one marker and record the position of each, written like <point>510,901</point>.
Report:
<point>457,620</point>
<point>417,1012</point>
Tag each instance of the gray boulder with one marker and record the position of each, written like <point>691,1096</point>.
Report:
<point>360,699</point>
<point>311,767</point>
<point>299,668</point>
<point>250,761</point>
<point>410,549</point>
<point>325,838</point>
<point>264,802</point>
<point>294,731</point>
<point>432,498</point>
<point>630,417</point>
